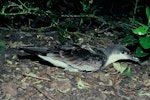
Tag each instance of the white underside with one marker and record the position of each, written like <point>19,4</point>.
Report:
<point>67,65</point>
<point>115,57</point>
<point>54,61</point>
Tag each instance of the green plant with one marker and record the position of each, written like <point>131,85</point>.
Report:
<point>79,23</point>
<point>63,18</point>
<point>2,50</point>
<point>135,10</point>
<point>123,69</point>
<point>144,36</point>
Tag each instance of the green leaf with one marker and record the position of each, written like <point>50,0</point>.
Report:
<point>148,13</point>
<point>140,53</point>
<point>142,30</point>
<point>48,3</point>
<point>127,73</point>
<point>2,52</point>
<point>2,43</point>
<point>121,67</point>
<point>129,39</point>
<point>145,42</point>
<point>5,6</point>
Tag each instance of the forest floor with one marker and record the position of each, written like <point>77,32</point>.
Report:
<point>26,79</point>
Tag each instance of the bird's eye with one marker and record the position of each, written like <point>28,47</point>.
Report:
<point>125,52</point>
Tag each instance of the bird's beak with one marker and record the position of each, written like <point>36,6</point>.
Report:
<point>135,59</point>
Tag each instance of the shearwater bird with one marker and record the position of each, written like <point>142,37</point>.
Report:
<point>76,58</point>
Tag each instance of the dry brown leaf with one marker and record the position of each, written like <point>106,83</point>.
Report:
<point>9,88</point>
<point>61,86</point>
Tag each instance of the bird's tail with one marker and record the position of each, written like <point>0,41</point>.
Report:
<point>29,50</point>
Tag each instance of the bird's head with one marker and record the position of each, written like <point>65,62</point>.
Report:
<point>118,52</point>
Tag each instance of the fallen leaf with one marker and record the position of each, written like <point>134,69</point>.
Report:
<point>9,88</point>
<point>141,93</point>
<point>81,84</point>
<point>121,67</point>
<point>146,82</point>
<point>61,86</point>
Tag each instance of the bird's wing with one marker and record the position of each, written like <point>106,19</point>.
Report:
<point>70,57</point>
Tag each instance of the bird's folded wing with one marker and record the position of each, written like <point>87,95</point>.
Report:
<point>73,58</point>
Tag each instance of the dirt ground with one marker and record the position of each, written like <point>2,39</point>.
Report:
<point>27,79</point>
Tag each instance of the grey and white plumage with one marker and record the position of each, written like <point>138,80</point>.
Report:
<point>80,58</point>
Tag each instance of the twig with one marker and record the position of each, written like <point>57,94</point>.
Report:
<point>42,92</point>
<point>41,78</point>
